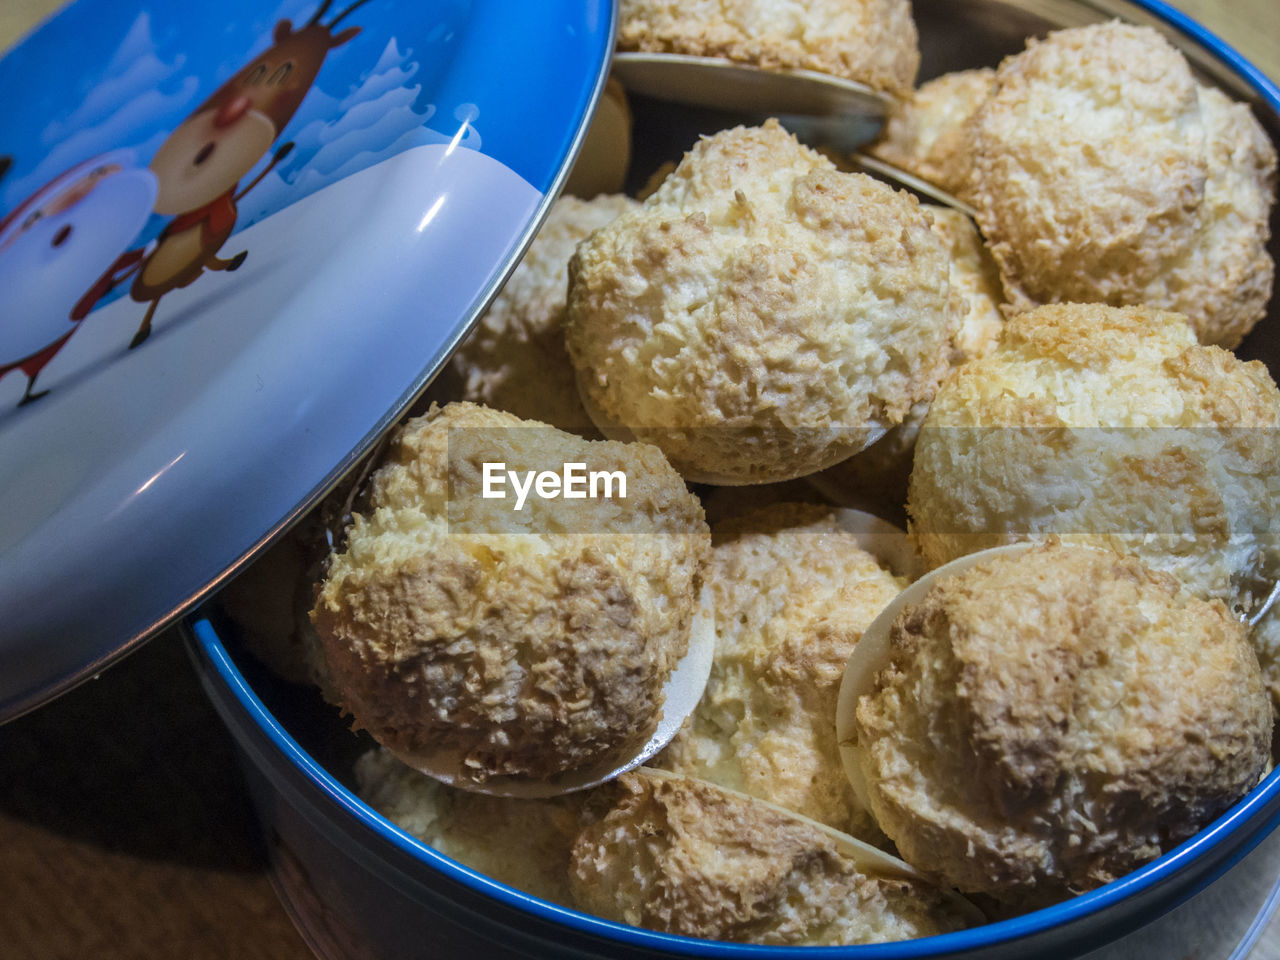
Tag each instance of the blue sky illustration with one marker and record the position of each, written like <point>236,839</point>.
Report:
<point>117,74</point>
<point>101,80</point>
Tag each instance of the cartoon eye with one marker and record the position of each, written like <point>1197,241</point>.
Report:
<point>281,73</point>
<point>31,219</point>
<point>254,76</point>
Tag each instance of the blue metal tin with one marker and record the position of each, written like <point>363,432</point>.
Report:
<point>358,887</point>
<point>237,241</point>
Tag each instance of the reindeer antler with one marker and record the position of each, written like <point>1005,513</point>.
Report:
<point>324,7</point>
<point>334,22</point>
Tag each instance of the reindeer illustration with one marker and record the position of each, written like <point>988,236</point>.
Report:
<point>200,164</point>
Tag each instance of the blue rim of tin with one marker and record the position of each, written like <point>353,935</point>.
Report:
<point>1266,89</point>
<point>989,935</point>
<point>1002,932</point>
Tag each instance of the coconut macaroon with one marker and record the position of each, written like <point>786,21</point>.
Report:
<point>925,134</point>
<point>1051,719</point>
<point>1101,171</point>
<point>762,315</point>
<point>514,359</point>
<point>975,283</point>
<point>793,593</point>
<point>522,843</point>
<point>869,41</point>
<point>1110,426</point>
<point>685,857</point>
<point>879,474</point>
<point>470,637</point>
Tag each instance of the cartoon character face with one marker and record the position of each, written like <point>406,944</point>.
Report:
<point>208,154</point>
<point>277,79</point>
<point>59,241</point>
<point>233,129</point>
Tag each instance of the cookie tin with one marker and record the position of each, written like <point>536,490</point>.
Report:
<point>359,887</point>
<point>239,240</point>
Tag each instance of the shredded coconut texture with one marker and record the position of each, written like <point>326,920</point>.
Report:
<point>1109,426</point>
<point>762,315</point>
<point>1266,642</point>
<point>510,641</point>
<point>925,133</point>
<point>1102,172</point>
<point>793,593</point>
<point>1049,722</point>
<point>870,41</point>
<point>687,858</point>
<point>879,474</point>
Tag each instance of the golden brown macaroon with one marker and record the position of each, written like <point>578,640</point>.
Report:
<point>870,41</point>
<point>1048,721</point>
<point>878,475</point>
<point>793,593</point>
<point>1103,172</point>
<point>975,282</point>
<point>761,315</point>
<point>522,843</point>
<point>925,134</point>
<point>522,643</point>
<point>514,359</point>
<point>689,858</point>
<point>1110,426</point>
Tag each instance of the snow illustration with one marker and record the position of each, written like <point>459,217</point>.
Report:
<point>381,116</point>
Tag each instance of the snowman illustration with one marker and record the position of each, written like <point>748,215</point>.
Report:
<point>52,247</point>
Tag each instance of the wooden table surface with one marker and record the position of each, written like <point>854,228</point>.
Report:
<point>124,828</point>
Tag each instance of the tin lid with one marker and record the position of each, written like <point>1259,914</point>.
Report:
<point>237,242</point>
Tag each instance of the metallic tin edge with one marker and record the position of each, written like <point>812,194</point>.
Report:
<point>200,634</point>
<point>32,700</point>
